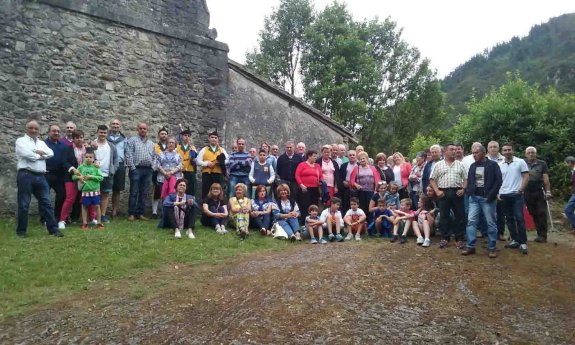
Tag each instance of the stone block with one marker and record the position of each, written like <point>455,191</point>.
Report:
<point>20,46</point>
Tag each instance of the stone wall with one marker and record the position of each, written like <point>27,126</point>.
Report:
<point>77,60</point>
<point>261,112</point>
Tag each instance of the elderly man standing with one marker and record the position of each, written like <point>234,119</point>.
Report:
<point>139,158</point>
<point>344,174</point>
<point>515,174</point>
<point>300,150</point>
<point>212,159</point>
<point>31,154</point>
<point>55,169</point>
<point>494,155</point>
<point>449,180</point>
<point>537,192</point>
<point>118,139</point>
<point>482,188</point>
<point>287,163</point>
<point>435,151</point>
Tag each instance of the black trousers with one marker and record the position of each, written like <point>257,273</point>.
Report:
<point>307,198</point>
<point>56,183</point>
<point>209,179</point>
<point>456,226</point>
<point>537,207</point>
<point>168,220</point>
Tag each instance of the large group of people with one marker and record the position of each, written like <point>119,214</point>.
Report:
<point>335,194</point>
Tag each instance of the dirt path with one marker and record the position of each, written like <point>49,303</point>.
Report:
<point>342,293</point>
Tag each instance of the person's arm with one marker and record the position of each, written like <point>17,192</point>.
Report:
<point>433,185</point>
<point>298,177</point>
<point>362,218</point>
<point>27,151</point>
<point>48,153</point>
<point>272,175</point>
<point>128,154</point>
<point>372,206</point>
<point>546,185</point>
<point>200,159</point>
<point>352,177</point>
<point>225,211</point>
<point>251,174</point>
<point>178,167</point>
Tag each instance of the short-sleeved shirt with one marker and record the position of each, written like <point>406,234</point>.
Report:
<point>449,175</point>
<point>326,212</point>
<point>213,204</point>
<point>310,218</point>
<point>536,171</point>
<point>359,212</point>
<point>512,174</point>
<point>387,212</point>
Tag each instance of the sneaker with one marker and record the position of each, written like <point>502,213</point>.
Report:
<point>539,239</point>
<point>223,229</point>
<point>322,241</point>
<point>426,243</point>
<point>298,236</point>
<point>243,232</point>
<point>402,239</point>
<point>393,239</point>
<point>460,245</point>
<point>313,240</point>
<point>154,216</point>
<point>218,229</point>
<point>492,254</point>
<point>100,226</point>
<point>292,238</point>
<point>357,237</point>
<point>331,237</point>
<point>131,218</point>
<point>140,217</point>
<point>84,226</point>
<point>512,245</point>
<point>178,234</point>
<point>523,249</point>
<point>94,221</point>
<point>419,241</point>
<point>468,251</point>
<point>349,237</point>
<point>57,234</point>
<point>443,244</point>
<point>61,225</point>
<point>190,234</point>
<point>339,237</point>
<point>104,219</point>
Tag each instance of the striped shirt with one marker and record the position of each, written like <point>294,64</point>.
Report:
<point>139,153</point>
<point>449,175</point>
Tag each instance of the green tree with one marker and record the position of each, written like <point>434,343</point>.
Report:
<point>524,115</point>
<point>280,43</point>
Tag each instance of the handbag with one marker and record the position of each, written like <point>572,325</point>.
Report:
<point>279,232</point>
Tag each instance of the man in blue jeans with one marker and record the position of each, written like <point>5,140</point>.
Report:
<point>570,207</point>
<point>31,154</point>
<point>515,174</point>
<point>483,183</point>
<point>139,157</point>
<point>239,167</point>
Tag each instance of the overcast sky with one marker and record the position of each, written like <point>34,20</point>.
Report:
<point>448,32</point>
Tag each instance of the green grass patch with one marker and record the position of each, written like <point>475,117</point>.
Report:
<point>41,269</point>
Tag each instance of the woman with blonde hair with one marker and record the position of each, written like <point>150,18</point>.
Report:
<point>214,209</point>
<point>286,213</point>
<point>364,179</point>
<point>240,208</point>
<point>401,171</point>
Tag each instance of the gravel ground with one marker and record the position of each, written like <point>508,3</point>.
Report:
<point>342,293</point>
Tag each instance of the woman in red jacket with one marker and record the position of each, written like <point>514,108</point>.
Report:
<point>308,176</point>
<point>401,172</point>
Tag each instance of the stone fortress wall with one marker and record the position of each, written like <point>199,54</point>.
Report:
<point>157,61</point>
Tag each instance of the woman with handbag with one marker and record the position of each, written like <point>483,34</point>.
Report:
<point>308,176</point>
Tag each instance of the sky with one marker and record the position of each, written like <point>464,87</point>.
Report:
<point>448,32</point>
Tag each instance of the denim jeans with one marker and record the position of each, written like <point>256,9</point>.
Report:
<point>290,225</point>
<point>263,221</point>
<point>513,204</point>
<point>34,184</point>
<point>569,211</point>
<point>140,183</point>
<point>234,180</point>
<point>482,226</point>
<point>479,208</point>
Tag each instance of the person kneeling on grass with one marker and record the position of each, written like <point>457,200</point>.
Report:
<point>89,177</point>
<point>179,211</point>
<point>383,218</point>
<point>424,220</point>
<point>403,220</point>
<point>240,208</point>
<point>286,213</point>
<point>214,209</point>
<point>314,225</point>
<point>331,218</point>
<point>355,220</point>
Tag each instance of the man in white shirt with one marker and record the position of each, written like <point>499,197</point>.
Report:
<point>515,174</point>
<point>31,154</point>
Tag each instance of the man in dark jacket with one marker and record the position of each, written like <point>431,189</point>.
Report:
<point>286,165</point>
<point>484,181</point>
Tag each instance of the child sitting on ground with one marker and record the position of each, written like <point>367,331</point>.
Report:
<point>424,220</point>
<point>383,218</point>
<point>314,225</point>
<point>355,220</point>
<point>331,218</point>
<point>90,177</point>
<point>403,220</point>
<point>392,196</point>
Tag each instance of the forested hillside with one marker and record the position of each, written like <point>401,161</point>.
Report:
<point>546,56</point>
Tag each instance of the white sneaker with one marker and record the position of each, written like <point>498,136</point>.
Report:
<point>426,242</point>
<point>357,237</point>
<point>223,229</point>
<point>349,237</point>
<point>95,221</point>
<point>178,234</point>
<point>61,225</point>
<point>420,241</point>
<point>218,229</point>
<point>190,234</point>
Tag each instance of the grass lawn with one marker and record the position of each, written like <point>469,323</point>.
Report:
<point>41,269</point>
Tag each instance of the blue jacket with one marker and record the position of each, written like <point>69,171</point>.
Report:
<point>492,180</point>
